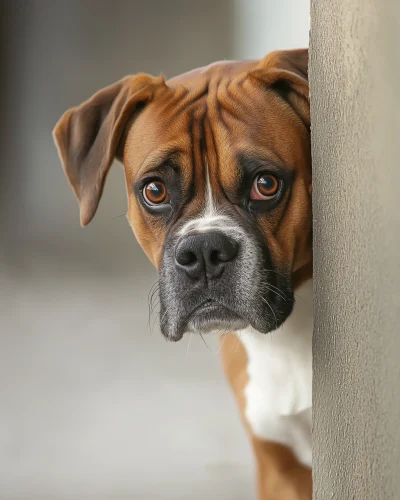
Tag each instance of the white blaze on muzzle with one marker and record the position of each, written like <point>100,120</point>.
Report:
<point>210,218</point>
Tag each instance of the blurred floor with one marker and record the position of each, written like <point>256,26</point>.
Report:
<point>96,406</point>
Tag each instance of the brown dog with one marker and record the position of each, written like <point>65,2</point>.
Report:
<point>218,175</point>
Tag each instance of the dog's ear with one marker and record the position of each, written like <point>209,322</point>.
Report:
<point>286,72</point>
<point>88,136</point>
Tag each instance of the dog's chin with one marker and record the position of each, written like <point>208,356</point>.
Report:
<point>212,316</point>
<point>204,314</point>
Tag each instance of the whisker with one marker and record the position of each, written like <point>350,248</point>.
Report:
<point>277,293</point>
<point>224,335</point>
<point>205,343</point>
<point>238,341</point>
<point>276,272</point>
<point>153,301</point>
<point>190,338</point>
<point>299,297</point>
<point>150,299</point>
<point>275,288</point>
<point>153,306</point>
<point>268,304</point>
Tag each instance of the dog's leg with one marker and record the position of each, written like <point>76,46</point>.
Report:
<point>280,475</point>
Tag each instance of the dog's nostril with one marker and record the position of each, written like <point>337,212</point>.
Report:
<point>228,251</point>
<point>186,257</point>
<point>215,256</point>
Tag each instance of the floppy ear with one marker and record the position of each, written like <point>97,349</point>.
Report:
<point>286,72</point>
<point>88,136</point>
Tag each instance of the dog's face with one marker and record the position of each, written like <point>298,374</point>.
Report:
<point>218,174</point>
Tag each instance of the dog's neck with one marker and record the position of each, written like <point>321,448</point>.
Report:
<point>279,370</point>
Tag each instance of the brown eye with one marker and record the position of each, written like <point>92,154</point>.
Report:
<point>155,193</point>
<point>265,186</point>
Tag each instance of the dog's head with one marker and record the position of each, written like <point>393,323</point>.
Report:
<point>218,176</point>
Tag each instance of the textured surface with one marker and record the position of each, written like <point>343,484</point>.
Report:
<point>356,128</point>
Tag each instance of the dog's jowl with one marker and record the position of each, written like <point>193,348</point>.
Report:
<point>218,174</point>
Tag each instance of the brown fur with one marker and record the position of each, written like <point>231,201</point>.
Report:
<point>254,107</point>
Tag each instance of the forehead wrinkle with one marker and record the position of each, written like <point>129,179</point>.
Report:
<point>167,104</point>
<point>225,109</point>
<point>214,104</point>
<point>197,146</point>
<point>233,98</point>
<point>156,158</point>
<point>182,106</point>
<point>210,152</point>
<point>220,141</point>
<point>185,98</point>
<point>190,186</point>
<point>215,157</point>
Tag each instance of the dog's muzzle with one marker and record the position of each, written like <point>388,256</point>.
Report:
<point>220,280</point>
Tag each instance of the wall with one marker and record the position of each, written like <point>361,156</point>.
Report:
<point>264,25</point>
<point>354,73</point>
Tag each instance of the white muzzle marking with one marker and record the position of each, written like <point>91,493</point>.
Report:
<point>210,218</point>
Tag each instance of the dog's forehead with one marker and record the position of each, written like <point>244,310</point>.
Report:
<point>219,101</point>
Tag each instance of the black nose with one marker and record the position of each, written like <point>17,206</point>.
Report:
<point>205,254</point>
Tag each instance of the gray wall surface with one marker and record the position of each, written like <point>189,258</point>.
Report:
<point>355,104</point>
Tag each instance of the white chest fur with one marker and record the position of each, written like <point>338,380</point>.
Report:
<point>279,389</point>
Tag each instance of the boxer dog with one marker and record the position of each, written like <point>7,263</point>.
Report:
<point>218,175</point>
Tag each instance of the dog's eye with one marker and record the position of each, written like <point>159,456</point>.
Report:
<point>265,186</point>
<point>155,193</point>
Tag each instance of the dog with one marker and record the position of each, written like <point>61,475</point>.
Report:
<point>218,176</point>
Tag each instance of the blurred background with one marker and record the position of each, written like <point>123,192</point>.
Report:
<point>94,403</point>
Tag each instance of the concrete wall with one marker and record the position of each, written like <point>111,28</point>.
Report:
<point>355,100</point>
